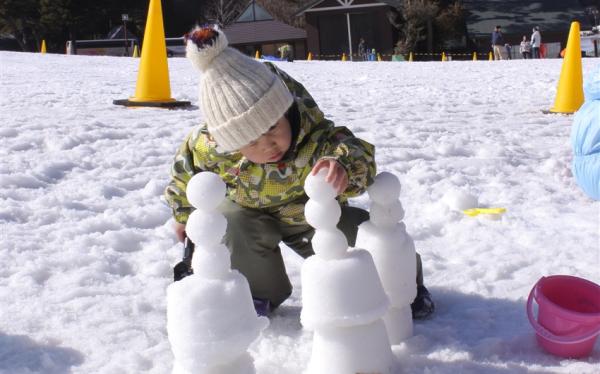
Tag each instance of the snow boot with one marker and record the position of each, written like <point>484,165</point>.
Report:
<point>423,306</point>
<point>262,307</point>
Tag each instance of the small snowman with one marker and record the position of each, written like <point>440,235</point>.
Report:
<point>342,297</point>
<point>393,251</point>
<point>211,320</point>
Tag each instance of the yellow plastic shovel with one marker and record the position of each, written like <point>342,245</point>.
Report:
<point>477,211</point>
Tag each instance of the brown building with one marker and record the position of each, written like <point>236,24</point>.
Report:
<point>256,30</point>
<point>334,27</point>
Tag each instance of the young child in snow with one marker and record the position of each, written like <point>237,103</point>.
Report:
<point>263,135</point>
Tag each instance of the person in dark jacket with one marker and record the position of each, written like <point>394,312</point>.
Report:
<point>498,44</point>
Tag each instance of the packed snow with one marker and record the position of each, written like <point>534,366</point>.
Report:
<point>87,246</point>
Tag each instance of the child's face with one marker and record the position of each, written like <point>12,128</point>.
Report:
<point>272,145</point>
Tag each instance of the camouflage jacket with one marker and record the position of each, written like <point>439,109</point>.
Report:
<point>276,188</point>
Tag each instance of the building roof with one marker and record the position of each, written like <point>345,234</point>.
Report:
<point>261,32</point>
<point>519,17</point>
<point>256,25</point>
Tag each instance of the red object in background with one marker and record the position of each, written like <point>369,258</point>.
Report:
<point>542,50</point>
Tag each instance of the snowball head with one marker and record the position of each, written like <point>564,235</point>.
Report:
<point>205,191</point>
<point>317,188</point>
<point>322,215</point>
<point>329,243</point>
<point>460,200</point>
<point>206,228</point>
<point>212,262</point>
<point>385,189</point>
<point>386,215</point>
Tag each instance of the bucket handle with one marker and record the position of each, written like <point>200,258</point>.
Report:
<point>542,331</point>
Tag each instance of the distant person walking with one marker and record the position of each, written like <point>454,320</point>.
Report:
<point>498,44</point>
<point>536,42</point>
<point>525,48</point>
<point>362,50</point>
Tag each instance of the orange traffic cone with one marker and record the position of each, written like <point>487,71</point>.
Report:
<point>153,88</point>
<point>257,55</point>
<point>569,95</point>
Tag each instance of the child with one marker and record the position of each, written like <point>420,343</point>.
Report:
<point>263,135</point>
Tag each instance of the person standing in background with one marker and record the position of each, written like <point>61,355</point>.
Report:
<point>362,50</point>
<point>498,44</point>
<point>525,48</point>
<point>536,42</point>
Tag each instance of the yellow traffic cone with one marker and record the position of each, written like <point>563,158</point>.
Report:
<point>474,56</point>
<point>136,51</point>
<point>410,57</point>
<point>444,56</point>
<point>344,57</point>
<point>491,57</point>
<point>309,58</point>
<point>257,55</point>
<point>379,59</point>
<point>569,95</point>
<point>43,48</point>
<point>153,87</point>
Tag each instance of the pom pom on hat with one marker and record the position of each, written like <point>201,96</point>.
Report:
<point>203,44</point>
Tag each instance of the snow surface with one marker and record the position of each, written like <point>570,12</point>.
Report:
<point>87,246</point>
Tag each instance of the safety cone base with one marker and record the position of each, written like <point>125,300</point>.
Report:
<point>554,111</point>
<point>156,104</point>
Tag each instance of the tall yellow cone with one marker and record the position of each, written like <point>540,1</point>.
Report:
<point>309,58</point>
<point>136,51</point>
<point>491,57</point>
<point>474,56</point>
<point>257,55</point>
<point>569,95</point>
<point>444,56</point>
<point>153,87</point>
<point>344,57</point>
<point>410,57</point>
<point>43,48</point>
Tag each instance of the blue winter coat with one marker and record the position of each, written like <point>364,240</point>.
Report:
<point>585,138</point>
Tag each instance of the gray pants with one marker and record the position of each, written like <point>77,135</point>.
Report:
<point>253,238</point>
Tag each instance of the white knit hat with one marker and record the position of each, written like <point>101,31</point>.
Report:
<point>240,97</point>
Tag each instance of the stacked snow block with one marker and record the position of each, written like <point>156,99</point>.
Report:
<point>342,297</point>
<point>393,252</point>
<point>211,319</point>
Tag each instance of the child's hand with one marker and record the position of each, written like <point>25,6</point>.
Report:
<point>179,231</point>
<point>337,175</point>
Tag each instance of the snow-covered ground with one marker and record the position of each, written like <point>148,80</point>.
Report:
<point>86,247</point>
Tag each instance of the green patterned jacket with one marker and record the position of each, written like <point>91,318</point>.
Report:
<point>276,188</point>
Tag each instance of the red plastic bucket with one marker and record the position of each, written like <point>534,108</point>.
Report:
<point>568,319</point>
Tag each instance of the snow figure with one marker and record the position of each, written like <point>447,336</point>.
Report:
<point>393,251</point>
<point>342,297</point>
<point>211,319</point>
<point>585,138</point>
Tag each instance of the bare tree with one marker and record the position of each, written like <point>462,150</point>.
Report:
<point>224,12</point>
